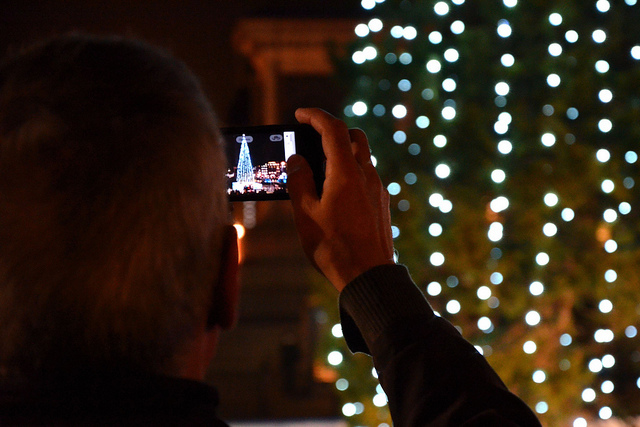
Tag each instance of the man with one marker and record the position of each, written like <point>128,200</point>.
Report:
<point>118,264</point>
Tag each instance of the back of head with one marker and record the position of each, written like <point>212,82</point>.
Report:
<point>112,207</point>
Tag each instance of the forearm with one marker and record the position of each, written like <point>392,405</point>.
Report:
<point>431,375</point>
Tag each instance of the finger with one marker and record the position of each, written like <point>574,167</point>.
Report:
<point>336,141</point>
<point>300,182</point>
<point>360,146</point>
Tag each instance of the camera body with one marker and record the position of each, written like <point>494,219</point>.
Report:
<point>257,159</point>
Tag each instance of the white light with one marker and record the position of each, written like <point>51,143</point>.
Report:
<point>435,37</point>
<point>631,157</point>
<point>375,25</point>
<point>380,400</point>
<point>539,377</point>
<point>434,66</point>
<point>423,122</point>
<point>484,293</point>
<point>529,347</point>
<point>453,307</point>
<point>624,208</point>
<point>448,113</point>
<point>395,232</point>
<point>499,204</point>
<point>565,340</point>
<point>436,259</point>
<point>571,36</point>
<point>549,229</point>
<point>498,176</point>
<point>397,31</point>
<point>368,4</point>
<point>443,171</point>
<point>502,88</point>
<point>449,84</point>
<point>536,288</point>
<point>504,29</point>
<point>610,246</point>
<point>439,141</point>
<point>605,413</point>
<point>588,395</point>
<point>501,127</point>
<point>603,155</point>
<point>436,199</point>
<point>342,384</point>
<point>605,95</point>
<point>580,422</point>
<point>548,139</point>
<point>441,8</point>
<point>551,199</point>
<point>507,60</point>
<point>605,306</point>
<point>610,215</point>
<point>610,276</point>
<point>603,6</point>
<point>360,108</point>
<point>599,36</point>
<point>542,259</point>
<point>446,206</point>
<point>603,336</point>
<point>435,229</point>
<point>336,330</point>
<point>602,66</point>
<point>358,57</point>
<point>635,52</point>
<point>335,358</point>
<point>495,231</point>
<point>555,19</point>
<point>608,360</point>
<point>457,27</point>
<point>608,186</point>
<point>595,365</point>
<point>400,137</point>
<point>484,324</point>
<point>532,318</point>
<point>399,111</point>
<point>496,278</point>
<point>567,214</point>
<point>504,146</point>
<point>409,33</point>
<point>605,125</point>
<point>362,30</point>
<point>451,55</point>
<point>434,289</point>
<point>370,52</point>
<point>510,3</point>
<point>553,80</point>
<point>542,407</point>
<point>394,188</point>
<point>555,49</point>
<point>349,409</point>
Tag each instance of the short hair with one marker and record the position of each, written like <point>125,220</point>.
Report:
<point>112,206</point>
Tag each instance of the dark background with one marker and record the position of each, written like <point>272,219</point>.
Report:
<point>197,31</point>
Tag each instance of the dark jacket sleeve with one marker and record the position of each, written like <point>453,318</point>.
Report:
<point>431,375</point>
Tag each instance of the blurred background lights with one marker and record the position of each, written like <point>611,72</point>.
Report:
<point>571,36</point>
<point>507,60</point>
<point>608,186</point>
<point>434,66</point>
<point>599,36</point>
<point>607,387</point>
<point>529,347</point>
<point>359,108</point>
<point>396,31</point>
<point>505,147</point>
<point>608,360</point>
<point>603,6</point>
<point>510,3</point>
<point>595,365</point>
<point>409,33</point>
<point>551,199</point>
<point>635,52</point>
<point>603,155</point>
<point>532,318</point>
<point>496,278</point>
<point>548,139</point>
<point>484,324</point>
<point>502,88</point>
<point>603,336</point>
<point>610,276</point>
<point>624,208</point>
<point>441,8</point>
<point>439,141</point>
<point>442,171</point>
<point>335,358</point>
<point>555,49</point>
<point>342,384</point>
<point>435,37</point>
<point>457,27</point>
<point>495,231</point>
<point>453,307</point>
<point>499,204</point>
<point>631,157</point>
<point>484,293</point>
<point>349,409</point>
<point>588,395</point>
<point>336,330</point>
<point>605,413</point>
<point>399,111</point>
<point>539,376</point>
<point>605,125</point>
<point>565,340</point>
<point>542,407</point>
<point>423,122</point>
<point>368,4</point>
<point>605,95</point>
<point>436,259</point>
<point>610,215</point>
<point>579,422</point>
<point>436,200</point>
<point>451,55</point>
<point>394,188</point>
<point>504,29</point>
<point>536,288</point>
<point>448,113</point>
<point>553,80</point>
<point>362,30</point>
<point>434,289</point>
<point>449,84</point>
<point>567,214</point>
<point>555,19</point>
<point>602,66</point>
<point>549,229</point>
<point>498,176</point>
<point>375,25</point>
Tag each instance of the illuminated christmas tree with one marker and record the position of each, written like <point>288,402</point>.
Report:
<point>244,172</point>
<point>507,132</point>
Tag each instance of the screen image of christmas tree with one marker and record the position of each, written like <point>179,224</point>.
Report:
<point>507,133</point>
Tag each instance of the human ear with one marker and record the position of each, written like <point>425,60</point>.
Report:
<point>226,292</point>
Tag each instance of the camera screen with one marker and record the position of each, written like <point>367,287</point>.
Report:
<point>257,163</point>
